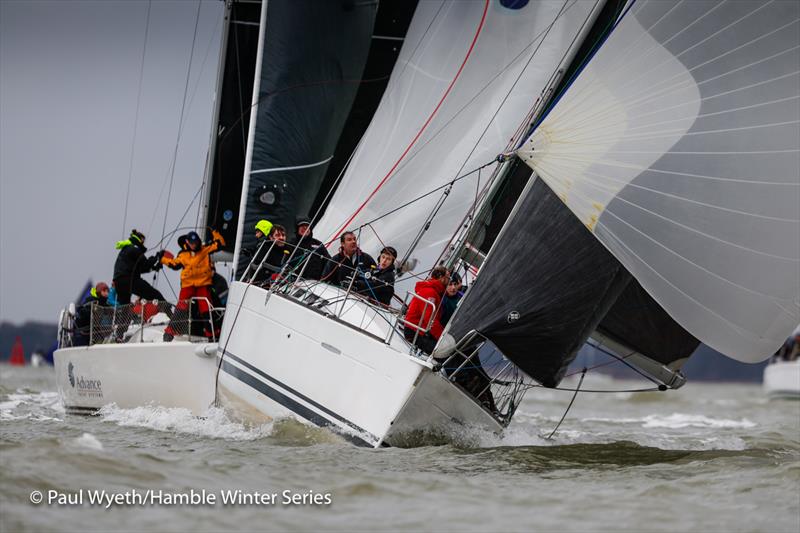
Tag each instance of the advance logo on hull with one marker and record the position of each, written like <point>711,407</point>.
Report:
<point>84,386</point>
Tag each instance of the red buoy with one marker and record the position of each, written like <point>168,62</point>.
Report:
<point>17,353</point>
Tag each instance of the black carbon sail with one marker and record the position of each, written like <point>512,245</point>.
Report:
<point>229,137</point>
<point>312,62</point>
<point>391,25</point>
<point>543,290</point>
<point>637,323</point>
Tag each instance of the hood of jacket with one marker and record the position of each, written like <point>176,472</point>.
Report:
<point>434,285</point>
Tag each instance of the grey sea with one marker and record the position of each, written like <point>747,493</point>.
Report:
<point>708,457</point>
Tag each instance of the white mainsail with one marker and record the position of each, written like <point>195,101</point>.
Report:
<point>678,146</point>
<point>462,84</point>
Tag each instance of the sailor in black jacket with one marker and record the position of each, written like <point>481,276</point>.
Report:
<point>130,265</point>
<point>97,296</point>
<point>348,262</point>
<point>378,284</point>
<point>309,250</point>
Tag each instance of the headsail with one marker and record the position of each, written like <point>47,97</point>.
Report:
<point>467,75</point>
<point>225,165</point>
<point>543,289</point>
<point>311,64</point>
<point>678,146</point>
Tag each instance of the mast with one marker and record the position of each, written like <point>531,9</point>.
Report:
<point>508,167</point>
<point>251,129</point>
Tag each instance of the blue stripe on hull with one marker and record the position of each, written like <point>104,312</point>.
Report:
<point>291,404</point>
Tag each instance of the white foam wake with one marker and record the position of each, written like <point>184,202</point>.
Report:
<point>651,430</point>
<point>38,406</point>
<point>87,440</point>
<point>213,424</point>
<point>678,421</point>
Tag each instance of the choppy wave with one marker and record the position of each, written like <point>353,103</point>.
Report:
<point>87,440</point>
<point>214,423</point>
<point>678,420</point>
<point>647,431</point>
<point>38,406</point>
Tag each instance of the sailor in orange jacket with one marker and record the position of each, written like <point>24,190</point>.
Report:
<point>197,275</point>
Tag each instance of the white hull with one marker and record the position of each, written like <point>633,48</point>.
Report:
<point>282,358</point>
<point>782,379</point>
<point>176,374</point>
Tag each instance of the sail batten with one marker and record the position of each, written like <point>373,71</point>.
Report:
<point>683,159</point>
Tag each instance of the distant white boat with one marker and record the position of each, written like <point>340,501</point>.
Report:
<point>782,379</point>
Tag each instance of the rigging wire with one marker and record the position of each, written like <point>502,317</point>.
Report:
<point>430,192</point>
<point>421,129</point>
<point>136,120</point>
<point>180,131</point>
<point>191,101</point>
<point>242,105</point>
<point>180,120</point>
<point>540,38</point>
<point>578,388</point>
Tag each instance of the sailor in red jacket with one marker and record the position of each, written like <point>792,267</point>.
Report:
<point>422,326</point>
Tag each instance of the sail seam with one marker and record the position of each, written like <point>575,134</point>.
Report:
<point>736,327</point>
<point>655,67</point>
<point>548,177</point>
<point>295,167</point>
<point>600,184</point>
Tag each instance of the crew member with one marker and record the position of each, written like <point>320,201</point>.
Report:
<point>308,249</point>
<point>196,280</point>
<point>452,295</point>
<point>259,249</point>
<point>130,265</point>
<point>349,262</point>
<point>97,296</point>
<point>378,285</point>
<point>422,325</point>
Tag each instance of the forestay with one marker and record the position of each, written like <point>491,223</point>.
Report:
<point>677,146</point>
<point>467,75</point>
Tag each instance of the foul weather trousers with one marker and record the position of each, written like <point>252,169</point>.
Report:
<point>135,285</point>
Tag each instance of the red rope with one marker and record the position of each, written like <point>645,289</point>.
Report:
<point>419,133</point>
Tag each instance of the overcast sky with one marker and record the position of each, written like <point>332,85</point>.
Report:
<point>69,80</point>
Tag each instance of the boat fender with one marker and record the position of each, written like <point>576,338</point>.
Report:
<point>444,347</point>
<point>206,350</point>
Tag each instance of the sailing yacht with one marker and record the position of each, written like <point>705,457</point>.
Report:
<point>782,374</point>
<point>622,171</point>
<point>626,171</point>
<point>309,89</point>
